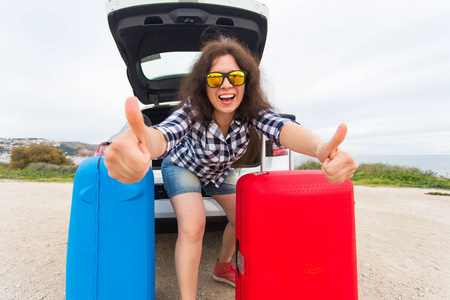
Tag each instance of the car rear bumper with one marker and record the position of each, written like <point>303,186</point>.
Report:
<point>166,222</point>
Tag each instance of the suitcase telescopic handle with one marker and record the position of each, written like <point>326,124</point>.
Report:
<point>263,148</point>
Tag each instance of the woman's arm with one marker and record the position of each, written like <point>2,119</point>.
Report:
<point>300,139</point>
<point>337,165</point>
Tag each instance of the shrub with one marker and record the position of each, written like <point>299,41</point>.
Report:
<point>40,172</point>
<point>389,175</point>
<point>310,165</point>
<point>381,168</point>
<point>21,157</point>
<point>45,167</point>
<point>39,166</point>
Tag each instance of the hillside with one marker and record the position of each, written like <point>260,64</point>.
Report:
<point>70,148</point>
<point>77,148</point>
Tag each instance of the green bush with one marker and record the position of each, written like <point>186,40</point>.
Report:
<point>39,166</point>
<point>45,167</point>
<point>389,175</point>
<point>21,157</point>
<point>381,168</point>
<point>310,165</point>
<point>40,172</point>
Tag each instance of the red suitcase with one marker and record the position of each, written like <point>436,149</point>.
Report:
<point>295,237</point>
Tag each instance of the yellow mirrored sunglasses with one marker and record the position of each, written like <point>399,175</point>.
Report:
<point>215,79</point>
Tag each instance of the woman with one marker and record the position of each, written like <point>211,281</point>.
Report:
<point>221,99</point>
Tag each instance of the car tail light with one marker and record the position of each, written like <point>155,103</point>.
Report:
<point>279,151</point>
<point>273,150</point>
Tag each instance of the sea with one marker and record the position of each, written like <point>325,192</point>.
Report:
<point>436,163</point>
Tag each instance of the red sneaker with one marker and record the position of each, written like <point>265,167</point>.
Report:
<point>225,272</point>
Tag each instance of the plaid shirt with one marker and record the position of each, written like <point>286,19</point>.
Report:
<point>204,150</point>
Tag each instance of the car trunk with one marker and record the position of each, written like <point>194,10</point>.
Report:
<point>148,34</point>
<point>144,33</point>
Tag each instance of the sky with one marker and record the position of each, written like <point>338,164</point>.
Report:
<point>382,67</point>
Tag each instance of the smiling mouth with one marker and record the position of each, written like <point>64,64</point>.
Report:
<point>227,99</point>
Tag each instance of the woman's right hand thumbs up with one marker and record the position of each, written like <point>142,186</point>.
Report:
<point>128,158</point>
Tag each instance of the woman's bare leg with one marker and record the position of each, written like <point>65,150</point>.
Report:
<point>190,212</point>
<point>228,204</point>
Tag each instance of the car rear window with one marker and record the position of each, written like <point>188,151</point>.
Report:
<point>158,66</point>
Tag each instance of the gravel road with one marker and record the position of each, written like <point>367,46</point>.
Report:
<point>403,241</point>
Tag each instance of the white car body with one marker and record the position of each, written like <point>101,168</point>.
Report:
<point>251,5</point>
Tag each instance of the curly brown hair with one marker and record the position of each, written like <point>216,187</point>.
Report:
<point>193,86</point>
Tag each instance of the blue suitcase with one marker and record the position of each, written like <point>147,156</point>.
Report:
<point>111,245</point>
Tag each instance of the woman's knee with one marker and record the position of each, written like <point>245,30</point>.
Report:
<point>192,232</point>
<point>232,223</point>
<point>231,219</point>
<point>190,212</point>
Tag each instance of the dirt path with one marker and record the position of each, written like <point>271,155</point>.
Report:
<point>403,241</point>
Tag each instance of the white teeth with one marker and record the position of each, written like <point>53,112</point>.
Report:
<point>226,96</point>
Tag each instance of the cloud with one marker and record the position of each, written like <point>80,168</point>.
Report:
<point>405,144</point>
<point>382,67</point>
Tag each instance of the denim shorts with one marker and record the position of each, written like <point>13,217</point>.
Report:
<point>179,180</point>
